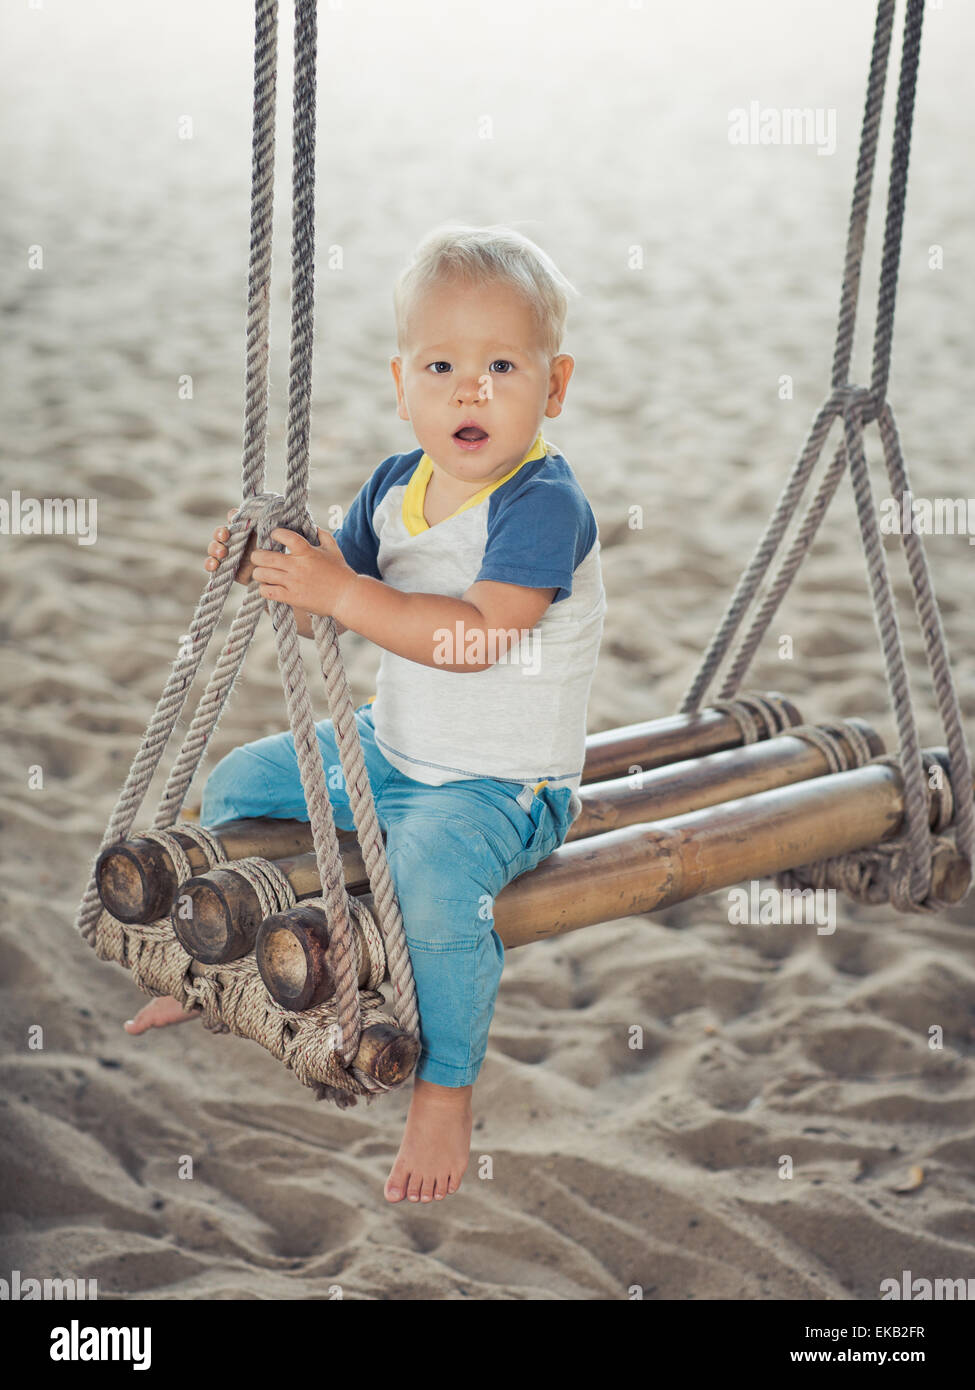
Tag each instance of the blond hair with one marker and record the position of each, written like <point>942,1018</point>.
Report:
<point>487,255</point>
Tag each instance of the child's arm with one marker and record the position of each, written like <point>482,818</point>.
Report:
<point>435,630</point>
<point>421,627</point>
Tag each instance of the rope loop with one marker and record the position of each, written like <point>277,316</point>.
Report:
<point>264,512</point>
<point>859,402</point>
<point>884,873</point>
<point>841,743</point>
<point>758,715</point>
<point>273,890</point>
<point>373,941</point>
<point>212,849</point>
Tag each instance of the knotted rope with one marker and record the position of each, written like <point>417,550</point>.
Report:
<point>901,868</point>
<point>213,850</point>
<point>321,1044</point>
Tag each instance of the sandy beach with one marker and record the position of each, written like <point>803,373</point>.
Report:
<point>612,1168</point>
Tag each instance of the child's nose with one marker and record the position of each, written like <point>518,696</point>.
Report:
<point>467,389</point>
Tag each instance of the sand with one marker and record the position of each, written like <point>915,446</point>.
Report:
<point>611,1168</point>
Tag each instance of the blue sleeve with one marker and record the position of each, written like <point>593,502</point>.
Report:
<point>356,539</point>
<point>539,538</point>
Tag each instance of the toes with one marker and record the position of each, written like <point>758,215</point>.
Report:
<point>395,1189</point>
<point>426,1189</point>
<point>398,1180</point>
<point>413,1187</point>
<point>159,1014</point>
<point>441,1189</point>
<point>142,1020</point>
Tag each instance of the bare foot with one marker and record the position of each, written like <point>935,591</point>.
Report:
<point>436,1145</point>
<point>158,1013</point>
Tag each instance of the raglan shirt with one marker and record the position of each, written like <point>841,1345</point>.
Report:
<point>523,718</point>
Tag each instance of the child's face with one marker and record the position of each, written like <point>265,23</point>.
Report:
<point>472,353</point>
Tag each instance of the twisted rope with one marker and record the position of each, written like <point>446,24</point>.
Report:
<point>212,849</point>
<point>371,939</point>
<point>231,998</point>
<point>758,716</point>
<point>274,892</point>
<point>328,856</point>
<point>911,859</point>
<point>842,744</point>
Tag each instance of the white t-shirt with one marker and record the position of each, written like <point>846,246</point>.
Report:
<point>524,717</point>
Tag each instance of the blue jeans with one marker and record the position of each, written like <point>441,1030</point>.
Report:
<point>450,849</point>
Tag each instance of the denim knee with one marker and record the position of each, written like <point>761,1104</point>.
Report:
<point>236,788</point>
<point>445,876</point>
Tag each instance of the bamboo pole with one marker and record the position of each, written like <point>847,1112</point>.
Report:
<point>646,867</point>
<point>669,740</point>
<point>386,1053</point>
<point>291,951</point>
<point>137,879</point>
<point>643,868</point>
<point>695,783</point>
<point>218,914</point>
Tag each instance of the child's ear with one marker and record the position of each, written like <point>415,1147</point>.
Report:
<point>562,367</point>
<point>396,365</point>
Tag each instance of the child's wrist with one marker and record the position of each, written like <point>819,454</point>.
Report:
<point>349,605</point>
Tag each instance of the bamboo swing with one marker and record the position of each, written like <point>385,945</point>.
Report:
<point>284,931</point>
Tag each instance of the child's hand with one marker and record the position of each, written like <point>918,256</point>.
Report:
<point>218,549</point>
<point>311,577</point>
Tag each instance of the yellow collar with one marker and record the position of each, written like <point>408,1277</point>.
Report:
<point>416,489</point>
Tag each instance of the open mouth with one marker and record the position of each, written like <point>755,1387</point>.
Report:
<point>470,434</point>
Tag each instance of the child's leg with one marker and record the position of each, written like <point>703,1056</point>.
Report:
<point>451,850</point>
<point>262,778</point>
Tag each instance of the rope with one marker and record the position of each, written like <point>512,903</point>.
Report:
<point>274,892</point>
<point>882,873</point>
<point>212,849</point>
<point>371,939</point>
<point>159,957</point>
<point>758,716</point>
<point>232,998</point>
<point>911,862</point>
<point>841,743</point>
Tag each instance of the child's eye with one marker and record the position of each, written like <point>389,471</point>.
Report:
<point>505,364</point>
<point>435,365</point>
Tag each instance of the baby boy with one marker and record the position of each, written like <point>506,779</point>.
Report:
<point>473,562</point>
